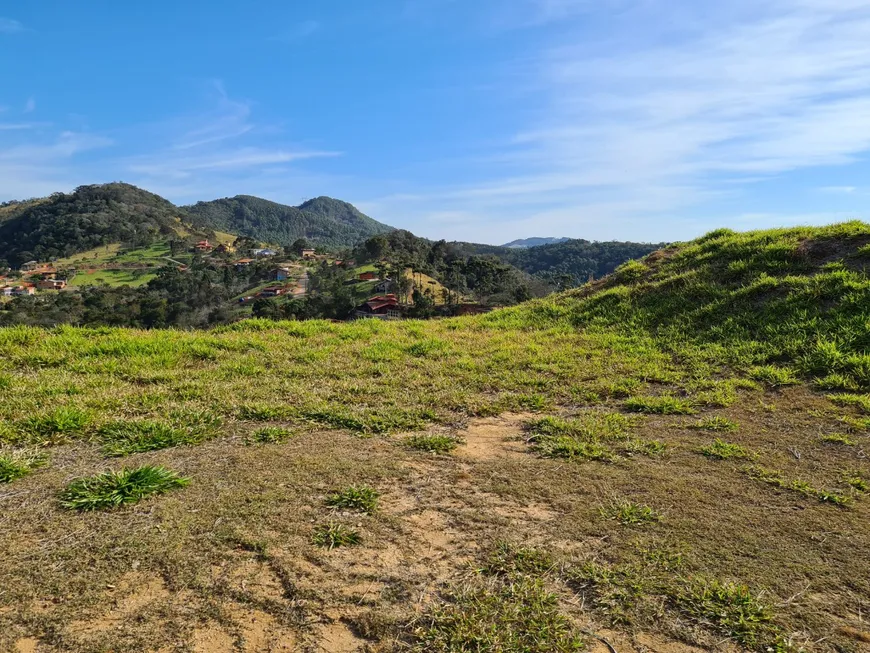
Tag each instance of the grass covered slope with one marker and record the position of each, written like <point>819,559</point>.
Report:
<point>773,303</point>
<point>659,458</point>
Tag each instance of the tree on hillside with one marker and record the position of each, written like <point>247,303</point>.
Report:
<point>298,245</point>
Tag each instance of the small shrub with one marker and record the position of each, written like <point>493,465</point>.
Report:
<point>839,438</point>
<point>113,489</point>
<point>15,464</point>
<point>774,376</point>
<point>725,450</point>
<point>628,513</point>
<point>662,405</point>
<point>270,435</point>
<point>361,498</point>
<point>715,423</point>
<point>333,535</point>
<point>433,443</point>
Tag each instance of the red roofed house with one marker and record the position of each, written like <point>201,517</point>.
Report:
<point>382,307</point>
<point>51,284</point>
<point>368,276</point>
<point>203,246</point>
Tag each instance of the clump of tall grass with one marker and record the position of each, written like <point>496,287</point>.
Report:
<point>360,498</point>
<point>21,462</point>
<point>109,490</point>
<point>55,426</point>
<point>270,435</point>
<point>722,450</point>
<point>433,443</point>
<point>628,513</point>
<point>333,535</point>
<point>775,477</point>
<point>186,428</point>
<point>662,405</point>
<point>519,615</point>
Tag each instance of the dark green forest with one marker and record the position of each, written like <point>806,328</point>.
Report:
<point>325,222</point>
<point>501,271</point>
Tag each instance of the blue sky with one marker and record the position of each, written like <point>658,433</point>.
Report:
<point>481,120</point>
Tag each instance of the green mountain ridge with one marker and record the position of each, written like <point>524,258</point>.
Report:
<point>322,221</point>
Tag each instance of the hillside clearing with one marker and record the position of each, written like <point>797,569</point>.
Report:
<point>624,460</point>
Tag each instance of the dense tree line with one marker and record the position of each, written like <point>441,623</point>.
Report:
<point>325,222</point>
<point>199,297</point>
<point>566,264</point>
<point>502,275</point>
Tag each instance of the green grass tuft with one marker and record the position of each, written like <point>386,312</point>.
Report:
<point>333,535</point>
<point>56,426</point>
<point>361,498</point>
<point>509,560</point>
<point>733,610</point>
<point>628,513</point>
<point>110,490</point>
<point>839,438</point>
<point>18,463</point>
<point>775,478</point>
<point>662,405</point>
<point>433,443</point>
<point>725,450</point>
<point>519,616</point>
<point>270,435</point>
<point>861,402</point>
<point>774,376</point>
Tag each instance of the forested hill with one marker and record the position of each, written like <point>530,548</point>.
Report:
<point>565,264</point>
<point>67,223</point>
<point>577,259</point>
<point>562,265</point>
<point>323,221</point>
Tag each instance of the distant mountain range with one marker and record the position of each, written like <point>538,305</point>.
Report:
<point>534,242</point>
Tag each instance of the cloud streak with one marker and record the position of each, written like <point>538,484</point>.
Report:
<point>10,26</point>
<point>633,125</point>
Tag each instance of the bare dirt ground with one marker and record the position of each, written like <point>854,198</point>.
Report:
<point>227,565</point>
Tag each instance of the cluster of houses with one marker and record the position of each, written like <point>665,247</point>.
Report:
<point>41,277</point>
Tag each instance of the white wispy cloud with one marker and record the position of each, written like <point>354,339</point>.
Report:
<point>298,32</point>
<point>839,190</point>
<point>10,26</point>
<point>649,118</point>
<point>30,105</point>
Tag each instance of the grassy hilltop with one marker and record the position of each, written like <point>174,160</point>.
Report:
<point>670,456</point>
